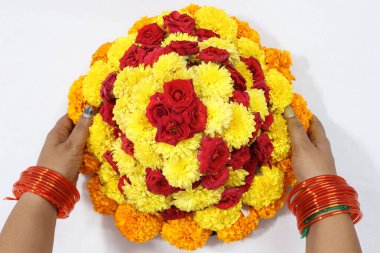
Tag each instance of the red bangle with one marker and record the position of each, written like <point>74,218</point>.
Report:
<point>310,199</point>
<point>50,185</point>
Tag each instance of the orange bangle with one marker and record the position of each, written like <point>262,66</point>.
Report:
<point>50,185</point>
<point>318,198</point>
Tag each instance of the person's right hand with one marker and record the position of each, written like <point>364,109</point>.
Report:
<point>311,151</point>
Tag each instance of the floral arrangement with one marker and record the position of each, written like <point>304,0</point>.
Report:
<point>188,129</point>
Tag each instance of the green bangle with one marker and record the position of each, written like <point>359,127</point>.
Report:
<point>306,230</point>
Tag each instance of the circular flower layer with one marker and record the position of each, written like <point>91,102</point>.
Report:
<point>188,127</point>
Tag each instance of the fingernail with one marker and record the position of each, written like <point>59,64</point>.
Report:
<point>289,113</point>
<point>88,112</point>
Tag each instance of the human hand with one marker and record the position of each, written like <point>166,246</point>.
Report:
<point>311,151</point>
<point>64,145</point>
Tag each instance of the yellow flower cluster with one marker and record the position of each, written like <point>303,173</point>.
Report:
<point>136,207</point>
<point>266,188</point>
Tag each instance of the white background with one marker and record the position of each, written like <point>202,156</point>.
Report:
<point>46,45</point>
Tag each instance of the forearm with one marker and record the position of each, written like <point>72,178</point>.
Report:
<point>333,234</point>
<point>30,226</point>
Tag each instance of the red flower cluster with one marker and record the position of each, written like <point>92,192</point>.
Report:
<point>177,113</point>
<point>108,99</point>
<point>157,183</point>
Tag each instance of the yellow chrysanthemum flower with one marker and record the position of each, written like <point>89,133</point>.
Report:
<point>281,94</point>
<point>222,44</point>
<point>182,171</point>
<point>93,82</point>
<point>280,139</point>
<point>137,128</point>
<point>178,37</point>
<point>143,200</point>
<point>216,20</point>
<point>257,102</point>
<point>147,155</point>
<point>236,177</point>
<point>219,116</point>
<point>216,219</point>
<point>241,127</point>
<point>196,199</point>
<point>128,78</point>
<point>118,49</point>
<point>170,67</point>
<point>100,138</point>
<point>248,48</point>
<point>110,179</point>
<point>211,81</point>
<point>266,188</point>
<point>184,148</point>
<point>190,9</point>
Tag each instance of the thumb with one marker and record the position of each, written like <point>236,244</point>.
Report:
<point>78,137</point>
<point>298,135</point>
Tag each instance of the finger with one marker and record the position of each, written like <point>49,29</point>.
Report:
<point>78,137</point>
<point>317,133</point>
<point>61,130</point>
<point>297,133</point>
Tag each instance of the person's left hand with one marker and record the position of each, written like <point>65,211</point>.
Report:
<point>64,145</point>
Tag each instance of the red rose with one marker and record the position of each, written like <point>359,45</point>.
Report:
<point>230,197</point>
<point>263,148</point>
<point>250,167</point>
<point>177,22</point>
<point>184,47</point>
<point>239,157</point>
<point>239,80</point>
<point>215,181</point>
<point>106,112</point>
<point>204,34</point>
<point>122,182</point>
<point>153,56</point>
<point>126,145</point>
<point>108,156</point>
<point>262,85</point>
<point>156,109</point>
<point>267,122</point>
<point>258,123</point>
<point>174,213</point>
<point>241,97</point>
<point>150,34</point>
<point>172,129</point>
<point>214,54</point>
<point>107,87</point>
<point>213,155</point>
<point>255,68</point>
<point>196,116</point>
<point>157,183</point>
<point>196,184</point>
<point>179,94</point>
<point>133,57</point>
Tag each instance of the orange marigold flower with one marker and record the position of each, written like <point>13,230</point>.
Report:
<point>101,53</point>
<point>90,163</point>
<point>191,9</point>
<point>76,101</point>
<point>299,106</point>
<point>185,233</point>
<point>140,24</point>
<point>290,178</point>
<point>244,30</point>
<point>102,204</point>
<point>137,226</point>
<point>241,228</point>
<point>280,60</point>
<point>269,211</point>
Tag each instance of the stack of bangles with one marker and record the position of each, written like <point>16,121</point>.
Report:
<point>320,197</point>
<point>50,185</point>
